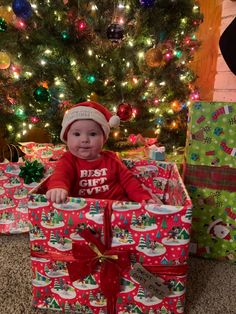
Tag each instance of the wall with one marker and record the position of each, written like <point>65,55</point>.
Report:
<point>225,80</point>
<point>205,58</point>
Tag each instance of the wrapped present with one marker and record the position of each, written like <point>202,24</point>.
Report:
<point>213,192</point>
<point>58,151</point>
<point>28,149</point>
<point>101,256</point>
<point>210,175</point>
<point>43,151</point>
<point>136,153</point>
<point>14,201</point>
<point>156,153</point>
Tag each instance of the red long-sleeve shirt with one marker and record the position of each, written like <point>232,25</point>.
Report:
<point>104,178</point>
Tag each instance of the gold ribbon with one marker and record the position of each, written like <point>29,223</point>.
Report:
<point>100,256</point>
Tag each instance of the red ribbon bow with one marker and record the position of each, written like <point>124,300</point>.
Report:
<point>90,255</point>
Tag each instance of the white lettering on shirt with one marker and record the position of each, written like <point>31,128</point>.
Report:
<point>93,182</point>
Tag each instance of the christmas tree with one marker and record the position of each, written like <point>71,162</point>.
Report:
<point>131,56</point>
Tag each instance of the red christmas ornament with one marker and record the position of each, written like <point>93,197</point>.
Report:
<point>80,27</point>
<point>34,119</point>
<point>124,111</point>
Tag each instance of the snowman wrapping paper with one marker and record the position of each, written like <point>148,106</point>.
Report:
<point>155,239</point>
<point>210,176</point>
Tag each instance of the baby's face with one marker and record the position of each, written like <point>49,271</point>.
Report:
<point>85,139</point>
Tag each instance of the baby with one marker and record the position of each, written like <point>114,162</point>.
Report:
<point>86,170</point>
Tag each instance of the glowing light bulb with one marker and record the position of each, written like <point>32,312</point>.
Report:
<point>131,43</point>
<point>174,125</point>
<point>148,41</point>
<point>28,74</point>
<point>94,7</point>
<point>141,54</point>
<point>48,51</point>
<point>16,75</point>
<point>121,6</point>
<point>9,127</point>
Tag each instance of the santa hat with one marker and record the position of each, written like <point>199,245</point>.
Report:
<point>89,110</point>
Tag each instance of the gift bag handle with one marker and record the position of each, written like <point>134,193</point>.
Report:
<point>9,146</point>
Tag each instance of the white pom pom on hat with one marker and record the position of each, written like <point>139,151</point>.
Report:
<point>89,110</point>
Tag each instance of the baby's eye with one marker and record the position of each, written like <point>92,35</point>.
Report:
<point>76,134</point>
<point>93,133</point>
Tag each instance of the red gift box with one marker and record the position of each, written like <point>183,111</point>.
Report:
<point>14,197</point>
<point>42,151</point>
<point>99,271</point>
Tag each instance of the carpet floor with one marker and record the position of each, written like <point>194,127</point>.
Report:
<point>211,285</point>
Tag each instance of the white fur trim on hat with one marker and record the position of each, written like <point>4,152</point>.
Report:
<point>114,121</point>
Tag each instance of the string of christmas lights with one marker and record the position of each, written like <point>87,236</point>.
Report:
<point>132,56</point>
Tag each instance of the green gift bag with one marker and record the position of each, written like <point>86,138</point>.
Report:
<point>210,178</point>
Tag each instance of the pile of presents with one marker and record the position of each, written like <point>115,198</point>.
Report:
<point>140,252</point>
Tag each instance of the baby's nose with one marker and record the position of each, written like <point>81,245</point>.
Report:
<point>85,139</point>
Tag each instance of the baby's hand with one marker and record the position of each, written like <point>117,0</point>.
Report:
<point>155,200</point>
<point>57,195</point>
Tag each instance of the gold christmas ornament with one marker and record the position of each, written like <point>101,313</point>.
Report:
<point>5,60</point>
<point>7,14</point>
<point>176,106</point>
<point>154,57</point>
